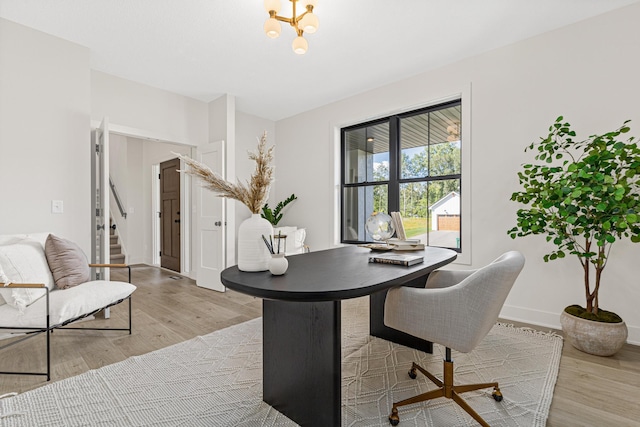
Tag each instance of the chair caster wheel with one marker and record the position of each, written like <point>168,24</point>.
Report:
<point>394,420</point>
<point>497,396</point>
<point>412,374</point>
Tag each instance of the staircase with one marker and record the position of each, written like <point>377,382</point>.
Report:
<point>117,257</point>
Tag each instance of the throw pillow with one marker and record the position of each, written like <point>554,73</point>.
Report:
<point>24,262</point>
<point>67,262</point>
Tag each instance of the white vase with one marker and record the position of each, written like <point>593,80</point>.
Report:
<point>253,254</point>
<point>278,264</point>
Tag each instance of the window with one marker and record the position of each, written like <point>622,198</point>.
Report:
<point>408,163</point>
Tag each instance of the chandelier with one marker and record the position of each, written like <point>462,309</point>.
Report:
<point>307,22</point>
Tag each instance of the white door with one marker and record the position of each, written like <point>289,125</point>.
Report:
<point>100,249</point>
<point>211,222</point>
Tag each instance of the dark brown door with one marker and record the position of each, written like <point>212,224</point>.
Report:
<point>170,214</point>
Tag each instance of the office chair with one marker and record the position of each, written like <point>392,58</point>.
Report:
<point>456,309</point>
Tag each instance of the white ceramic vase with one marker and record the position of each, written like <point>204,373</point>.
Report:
<point>253,254</point>
<point>278,264</point>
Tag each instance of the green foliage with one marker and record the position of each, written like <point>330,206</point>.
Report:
<point>415,198</point>
<point>583,195</point>
<point>274,216</point>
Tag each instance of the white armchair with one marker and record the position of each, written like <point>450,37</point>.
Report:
<point>455,309</point>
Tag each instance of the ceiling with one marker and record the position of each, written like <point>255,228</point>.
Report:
<point>206,48</point>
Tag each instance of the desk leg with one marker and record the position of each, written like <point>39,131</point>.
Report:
<point>380,330</point>
<point>302,360</point>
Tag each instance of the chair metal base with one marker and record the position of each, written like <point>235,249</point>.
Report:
<point>446,389</point>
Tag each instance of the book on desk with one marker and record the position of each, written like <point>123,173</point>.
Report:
<point>396,259</point>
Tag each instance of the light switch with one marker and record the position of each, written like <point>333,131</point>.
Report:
<point>57,206</point>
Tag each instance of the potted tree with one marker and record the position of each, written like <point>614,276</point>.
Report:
<point>584,195</point>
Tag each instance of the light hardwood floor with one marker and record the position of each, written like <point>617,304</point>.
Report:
<point>168,309</point>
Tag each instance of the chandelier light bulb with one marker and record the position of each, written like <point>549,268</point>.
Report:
<point>272,28</point>
<point>300,45</point>
<point>306,21</point>
<point>270,5</point>
<point>309,23</point>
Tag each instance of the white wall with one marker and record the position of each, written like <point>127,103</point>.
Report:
<point>132,240</point>
<point>586,72</point>
<point>44,134</point>
<point>159,114</point>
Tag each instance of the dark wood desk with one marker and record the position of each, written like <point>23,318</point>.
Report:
<point>301,322</point>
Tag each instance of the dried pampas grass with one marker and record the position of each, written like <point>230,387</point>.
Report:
<point>252,194</point>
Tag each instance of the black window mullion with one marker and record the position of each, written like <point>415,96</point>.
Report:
<point>394,164</point>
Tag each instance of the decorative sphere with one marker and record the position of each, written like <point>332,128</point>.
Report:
<point>380,226</point>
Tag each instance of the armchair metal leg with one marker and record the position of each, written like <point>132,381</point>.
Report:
<point>445,389</point>
<point>49,332</point>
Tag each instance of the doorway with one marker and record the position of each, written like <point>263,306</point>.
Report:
<point>170,241</point>
<point>140,160</point>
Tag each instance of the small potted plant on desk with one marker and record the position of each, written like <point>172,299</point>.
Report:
<point>584,196</point>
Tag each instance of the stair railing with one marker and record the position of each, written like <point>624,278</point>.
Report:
<point>118,201</point>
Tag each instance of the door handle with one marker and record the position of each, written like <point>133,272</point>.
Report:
<point>177,220</point>
<point>217,223</point>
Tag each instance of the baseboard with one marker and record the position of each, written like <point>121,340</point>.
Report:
<point>552,320</point>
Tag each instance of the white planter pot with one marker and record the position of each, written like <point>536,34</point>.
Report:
<point>253,254</point>
<point>599,338</point>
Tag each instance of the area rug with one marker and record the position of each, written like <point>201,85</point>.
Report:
<point>215,380</point>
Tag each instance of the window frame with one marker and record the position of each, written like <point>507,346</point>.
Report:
<point>395,180</point>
